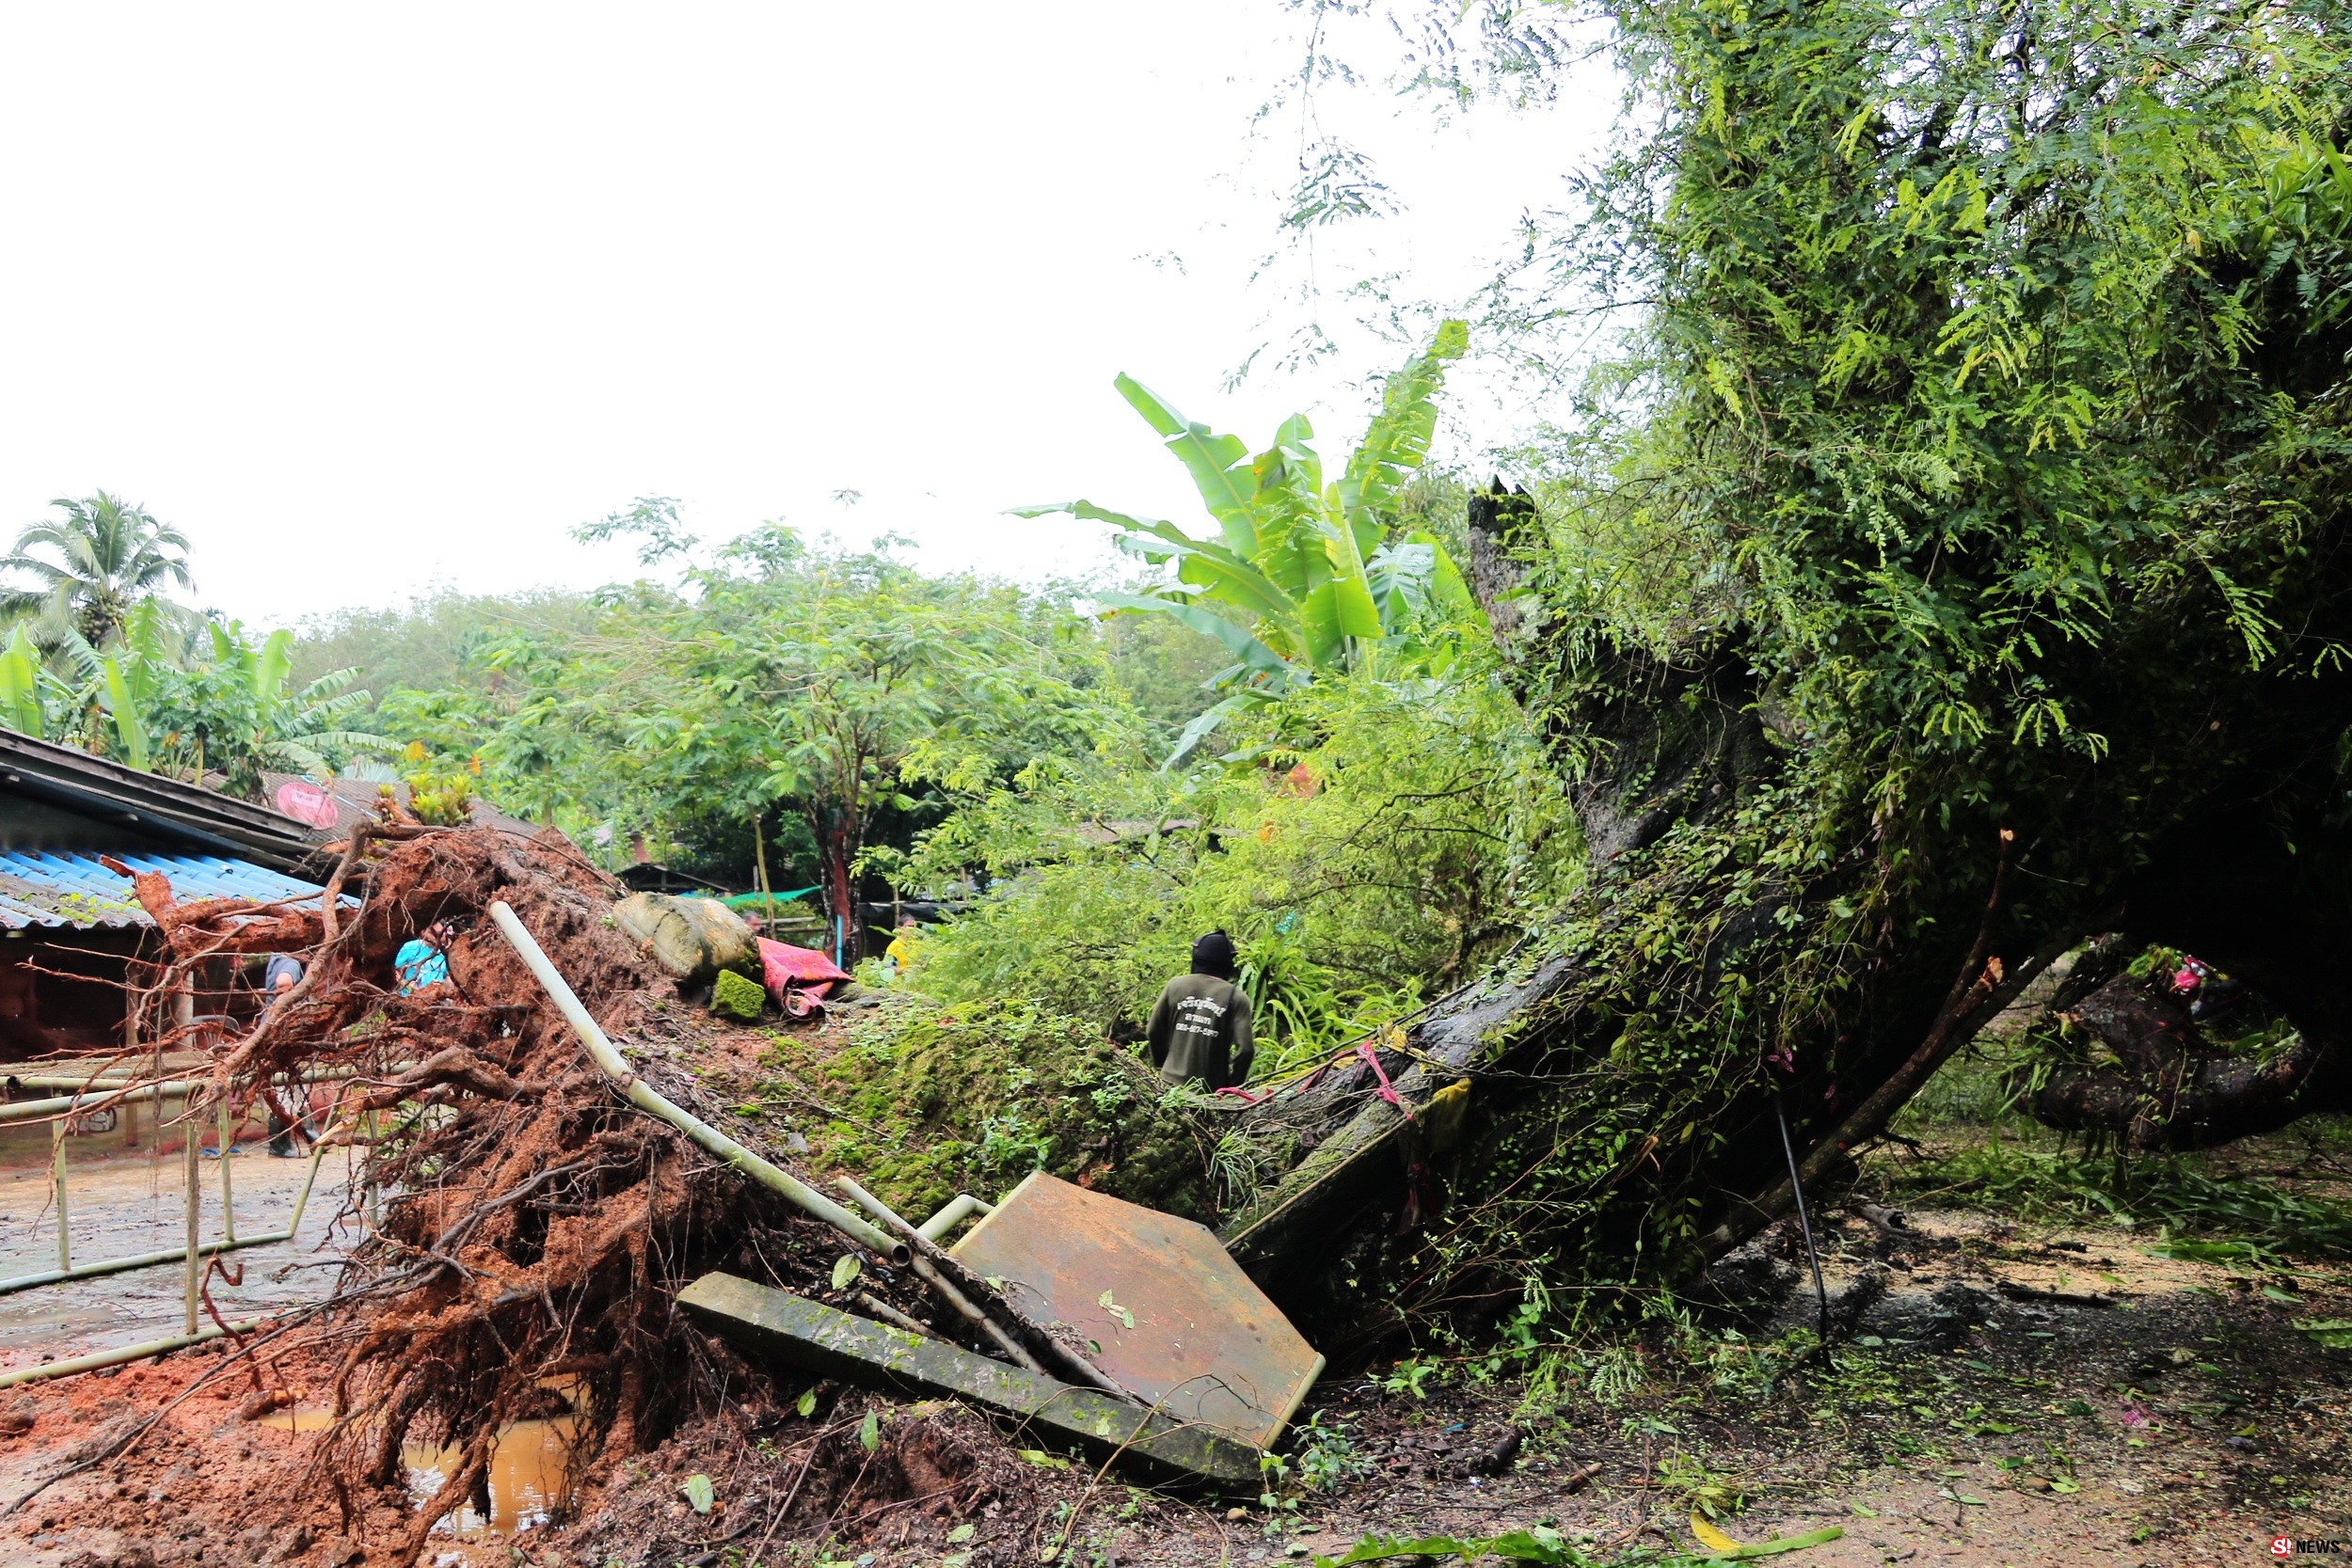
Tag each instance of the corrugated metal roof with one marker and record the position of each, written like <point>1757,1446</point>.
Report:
<point>74,890</point>
<point>176,814</point>
<point>355,802</point>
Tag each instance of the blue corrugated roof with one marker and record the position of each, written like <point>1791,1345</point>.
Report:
<point>74,890</point>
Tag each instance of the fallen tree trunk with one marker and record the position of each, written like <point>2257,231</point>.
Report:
<point>2170,1086</point>
<point>1621,1073</point>
<point>1863,664</point>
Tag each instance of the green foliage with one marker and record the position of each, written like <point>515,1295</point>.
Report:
<point>1974,428</point>
<point>1326,1452</point>
<point>441,799</point>
<point>1978,1090</point>
<point>1545,1545</point>
<point>1390,858</point>
<point>1163,670</point>
<point>1091,937</point>
<point>1541,1545</point>
<point>1901,434</point>
<point>439,641</point>
<point>234,709</point>
<point>1384,829</point>
<point>1304,578</point>
<point>931,1101</point>
<point>1410,1377</point>
<point>2328,1333</point>
<point>171,699</point>
<point>25,694</point>
<point>825,684</point>
<point>2180,1194</point>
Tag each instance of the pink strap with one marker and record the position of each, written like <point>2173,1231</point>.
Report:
<point>1388,1091</point>
<point>1363,1050</point>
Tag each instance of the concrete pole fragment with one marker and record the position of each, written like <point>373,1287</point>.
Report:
<point>777,1326</point>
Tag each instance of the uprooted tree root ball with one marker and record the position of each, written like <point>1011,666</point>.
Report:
<point>525,1229</point>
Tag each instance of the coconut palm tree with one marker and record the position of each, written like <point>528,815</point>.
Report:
<point>93,566</point>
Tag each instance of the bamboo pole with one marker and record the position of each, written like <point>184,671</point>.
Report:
<point>952,1213</point>
<point>196,1264</point>
<point>70,1104</point>
<point>931,1275</point>
<point>100,1093</point>
<point>120,1077</point>
<point>228,1199</point>
<point>65,1228</point>
<point>120,1356</point>
<point>152,1259</point>
<point>926,1260</point>
<point>759,854</point>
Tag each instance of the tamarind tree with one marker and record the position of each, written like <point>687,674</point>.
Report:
<point>1949,567</point>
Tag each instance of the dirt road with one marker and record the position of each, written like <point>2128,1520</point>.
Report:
<point>135,1204</point>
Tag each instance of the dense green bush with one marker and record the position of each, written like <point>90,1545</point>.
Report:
<point>929,1100</point>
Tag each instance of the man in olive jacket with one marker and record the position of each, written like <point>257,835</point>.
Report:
<point>1200,1027</point>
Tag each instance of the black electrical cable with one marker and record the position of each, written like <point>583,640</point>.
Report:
<point>1804,1220</point>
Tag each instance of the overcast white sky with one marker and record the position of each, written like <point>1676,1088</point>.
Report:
<point>370,298</point>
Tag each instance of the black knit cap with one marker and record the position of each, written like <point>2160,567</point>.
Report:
<point>1214,955</point>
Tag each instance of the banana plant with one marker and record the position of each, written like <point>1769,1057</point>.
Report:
<point>21,709</point>
<point>174,695</point>
<point>1301,578</point>
<point>246,712</point>
<point>131,676</point>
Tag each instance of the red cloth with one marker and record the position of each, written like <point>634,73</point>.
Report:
<point>786,968</point>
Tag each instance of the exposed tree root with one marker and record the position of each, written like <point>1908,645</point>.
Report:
<point>525,1228</point>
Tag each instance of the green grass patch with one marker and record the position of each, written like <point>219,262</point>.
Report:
<point>2178,1195</point>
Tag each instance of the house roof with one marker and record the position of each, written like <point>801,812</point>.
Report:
<point>205,821</point>
<point>355,802</point>
<point>54,889</point>
<point>653,877</point>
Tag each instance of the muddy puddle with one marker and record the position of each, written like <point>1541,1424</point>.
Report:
<point>528,1478</point>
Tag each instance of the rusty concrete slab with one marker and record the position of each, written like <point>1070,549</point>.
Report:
<point>1167,1312</point>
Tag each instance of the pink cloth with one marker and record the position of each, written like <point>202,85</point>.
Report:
<point>785,968</point>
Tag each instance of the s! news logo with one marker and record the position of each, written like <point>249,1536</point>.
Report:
<point>2287,1545</point>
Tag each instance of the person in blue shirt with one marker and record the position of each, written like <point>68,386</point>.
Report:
<point>281,977</point>
<point>423,961</point>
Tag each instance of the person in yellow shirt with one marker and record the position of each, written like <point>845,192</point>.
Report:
<point>899,954</point>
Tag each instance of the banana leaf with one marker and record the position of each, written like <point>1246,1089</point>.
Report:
<point>19,685</point>
<point>1219,464</point>
<point>1207,724</point>
<point>130,721</point>
<point>1249,649</point>
<point>1397,443</point>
